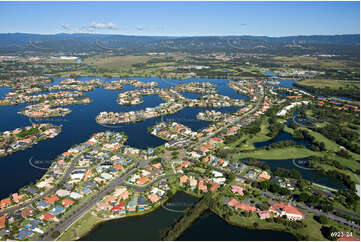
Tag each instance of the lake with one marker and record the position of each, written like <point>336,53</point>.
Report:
<point>80,124</point>
<point>282,135</point>
<point>207,227</point>
<point>213,228</point>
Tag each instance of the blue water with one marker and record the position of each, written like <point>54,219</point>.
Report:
<point>270,73</point>
<point>210,227</point>
<point>282,135</point>
<point>80,124</point>
<point>284,83</point>
<point>191,95</point>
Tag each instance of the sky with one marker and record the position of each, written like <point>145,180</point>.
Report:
<point>182,18</point>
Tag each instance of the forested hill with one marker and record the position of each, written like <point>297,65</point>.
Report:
<point>15,43</point>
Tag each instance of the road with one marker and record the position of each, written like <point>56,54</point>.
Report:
<point>66,221</point>
<point>48,192</point>
<point>246,115</point>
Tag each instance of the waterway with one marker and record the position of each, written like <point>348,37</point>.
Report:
<point>208,227</point>
<point>282,135</point>
<point>80,124</point>
<point>213,228</point>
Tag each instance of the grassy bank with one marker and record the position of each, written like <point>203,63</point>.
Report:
<point>322,83</point>
<point>276,154</point>
<point>80,227</point>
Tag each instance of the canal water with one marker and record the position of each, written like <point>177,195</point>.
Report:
<point>213,228</point>
<point>80,124</point>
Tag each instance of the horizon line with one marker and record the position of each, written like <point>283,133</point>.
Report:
<point>230,35</point>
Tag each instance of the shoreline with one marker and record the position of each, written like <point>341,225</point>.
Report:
<point>159,206</point>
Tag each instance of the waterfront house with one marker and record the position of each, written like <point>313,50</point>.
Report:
<point>201,186</point>
<point>119,208</point>
<point>280,209</point>
<point>192,182</point>
<point>182,180</point>
<point>153,198</point>
<point>5,203</point>
<point>31,190</point>
<point>264,176</point>
<point>263,214</point>
<point>142,203</point>
<point>240,205</point>
<point>132,204</point>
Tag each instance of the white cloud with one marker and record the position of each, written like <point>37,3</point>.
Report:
<point>66,26</point>
<point>140,28</point>
<point>95,25</point>
<point>112,26</point>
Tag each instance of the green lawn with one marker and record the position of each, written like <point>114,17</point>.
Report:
<point>116,63</point>
<point>81,227</point>
<point>333,147</point>
<point>321,83</point>
<point>275,154</point>
<point>259,137</point>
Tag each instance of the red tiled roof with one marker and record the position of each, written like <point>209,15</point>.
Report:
<point>143,180</point>
<point>5,202</point>
<point>118,166</point>
<point>47,216</point>
<point>2,221</point>
<point>26,212</point>
<point>119,206</point>
<point>288,208</point>
<point>51,199</point>
<point>67,202</point>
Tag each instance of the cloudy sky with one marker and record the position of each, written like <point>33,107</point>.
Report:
<point>181,18</point>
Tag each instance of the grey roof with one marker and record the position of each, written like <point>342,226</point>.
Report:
<point>34,223</point>
<point>23,233</point>
<point>43,203</point>
<point>31,190</point>
<point>90,184</point>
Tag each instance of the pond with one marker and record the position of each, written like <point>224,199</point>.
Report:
<point>213,228</point>
<point>282,135</point>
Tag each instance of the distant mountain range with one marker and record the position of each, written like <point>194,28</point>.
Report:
<point>21,43</point>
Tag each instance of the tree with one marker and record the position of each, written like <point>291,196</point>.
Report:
<point>321,219</point>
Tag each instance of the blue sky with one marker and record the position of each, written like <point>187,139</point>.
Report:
<point>182,18</point>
